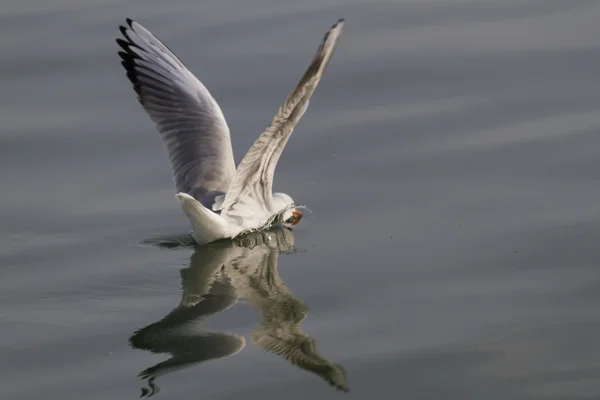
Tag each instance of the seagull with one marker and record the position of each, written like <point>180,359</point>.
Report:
<point>219,200</point>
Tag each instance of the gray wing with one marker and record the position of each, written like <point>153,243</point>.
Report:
<point>189,120</point>
<point>253,181</point>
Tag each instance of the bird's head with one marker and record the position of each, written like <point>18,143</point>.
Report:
<point>291,216</point>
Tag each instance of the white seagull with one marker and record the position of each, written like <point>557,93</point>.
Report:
<point>219,200</point>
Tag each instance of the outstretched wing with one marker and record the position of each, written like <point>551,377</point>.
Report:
<point>189,120</point>
<point>253,182</point>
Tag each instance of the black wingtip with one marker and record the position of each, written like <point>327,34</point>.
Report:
<point>123,44</point>
<point>128,56</point>
<point>337,23</point>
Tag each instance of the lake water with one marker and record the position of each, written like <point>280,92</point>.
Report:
<point>450,157</point>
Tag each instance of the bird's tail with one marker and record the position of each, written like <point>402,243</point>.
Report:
<point>207,225</point>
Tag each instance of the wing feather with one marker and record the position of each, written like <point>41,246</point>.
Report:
<point>188,118</point>
<point>253,182</point>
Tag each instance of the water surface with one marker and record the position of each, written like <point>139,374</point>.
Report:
<point>451,158</point>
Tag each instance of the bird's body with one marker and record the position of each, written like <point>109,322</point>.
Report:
<point>220,200</point>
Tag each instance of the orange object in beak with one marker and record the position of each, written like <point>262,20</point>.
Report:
<point>297,217</point>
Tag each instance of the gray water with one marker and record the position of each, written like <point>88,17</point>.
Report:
<point>450,156</point>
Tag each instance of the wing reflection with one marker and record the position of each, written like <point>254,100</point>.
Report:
<point>218,275</point>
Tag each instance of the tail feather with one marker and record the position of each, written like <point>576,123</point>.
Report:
<point>208,226</point>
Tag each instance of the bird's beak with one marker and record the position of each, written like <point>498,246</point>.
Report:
<point>297,216</point>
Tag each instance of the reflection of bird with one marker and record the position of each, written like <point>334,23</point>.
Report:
<point>220,201</point>
<point>218,275</point>
<point>186,347</point>
<point>279,332</point>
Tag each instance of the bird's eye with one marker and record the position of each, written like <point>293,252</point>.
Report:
<point>290,220</point>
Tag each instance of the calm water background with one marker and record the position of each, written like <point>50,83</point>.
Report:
<point>451,157</point>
